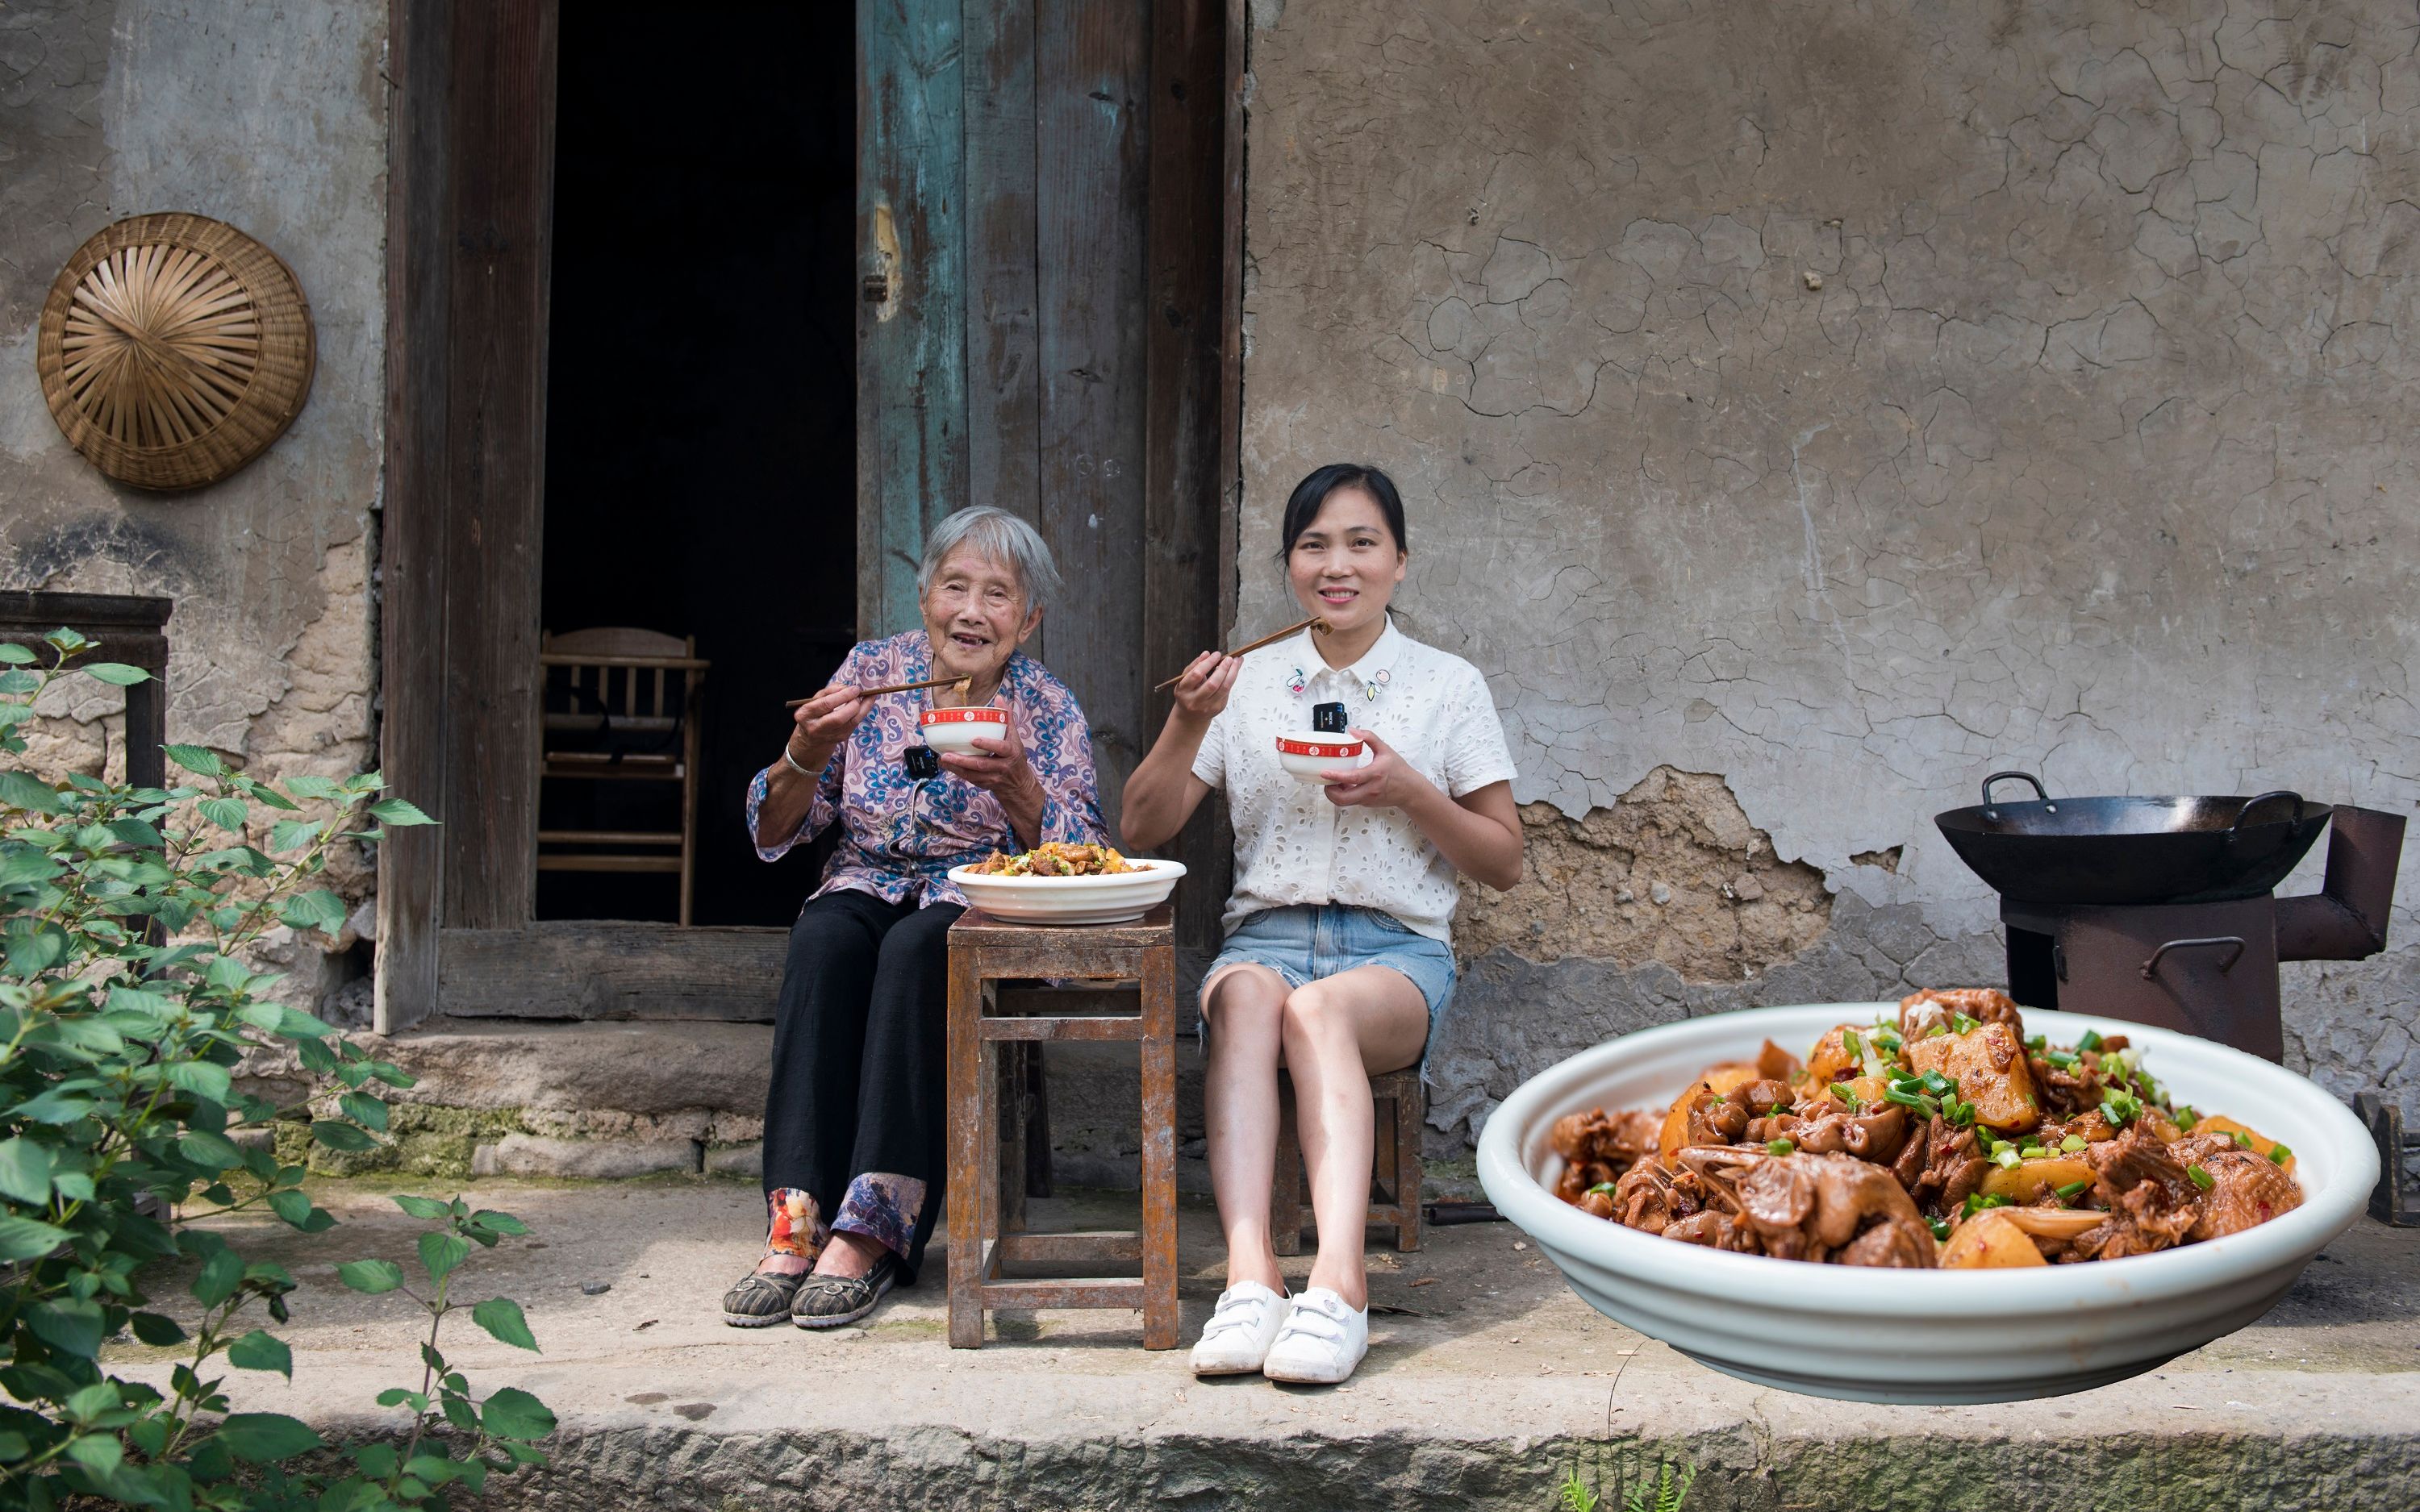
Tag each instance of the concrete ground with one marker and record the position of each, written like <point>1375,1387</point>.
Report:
<point>1487,1384</point>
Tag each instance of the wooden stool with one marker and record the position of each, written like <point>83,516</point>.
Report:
<point>1401,1102</point>
<point>988,1095</point>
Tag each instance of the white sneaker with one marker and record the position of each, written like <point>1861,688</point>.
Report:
<point>1322,1341</point>
<point>1236,1338</point>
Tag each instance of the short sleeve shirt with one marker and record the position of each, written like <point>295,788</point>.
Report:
<point>1294,846</point>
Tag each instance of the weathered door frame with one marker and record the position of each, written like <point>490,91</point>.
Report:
<point>468,204</point>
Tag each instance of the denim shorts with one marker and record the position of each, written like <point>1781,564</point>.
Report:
<point>1309,941</point>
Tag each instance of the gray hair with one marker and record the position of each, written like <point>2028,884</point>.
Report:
<point>999,536</point>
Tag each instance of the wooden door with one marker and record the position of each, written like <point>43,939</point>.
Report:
<point>1049,204</point>
<point>1043,213</point>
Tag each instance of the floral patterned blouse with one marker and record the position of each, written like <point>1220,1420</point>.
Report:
<point>900,835</point>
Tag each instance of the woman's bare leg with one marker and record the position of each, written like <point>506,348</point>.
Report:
<point>1243,1006</point>
<point>1336,1031</point>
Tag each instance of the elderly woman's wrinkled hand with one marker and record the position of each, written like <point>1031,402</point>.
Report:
<point>998,767</point>
<point>824,720</point>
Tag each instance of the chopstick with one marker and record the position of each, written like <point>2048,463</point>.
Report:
<point>961,683</point>
<point>1314,625</point>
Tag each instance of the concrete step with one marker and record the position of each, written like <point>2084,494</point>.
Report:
<point>1487,1384</point>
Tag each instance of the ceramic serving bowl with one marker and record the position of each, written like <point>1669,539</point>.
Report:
<point>957,730</point>
<point>1114,900</point>
<point>1313,754</point>
<point>1881,1336</point>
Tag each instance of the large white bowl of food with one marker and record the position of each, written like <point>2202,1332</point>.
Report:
<point>1060,883</point>
<point>2084,1198</point>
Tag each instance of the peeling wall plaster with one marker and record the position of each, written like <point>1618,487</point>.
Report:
<point>1852,401</point>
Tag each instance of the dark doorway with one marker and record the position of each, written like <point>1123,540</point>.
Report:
<point>701,389</point>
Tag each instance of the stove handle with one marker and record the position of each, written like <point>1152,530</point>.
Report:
<point>2152,965</point>
<point>2251,803</point>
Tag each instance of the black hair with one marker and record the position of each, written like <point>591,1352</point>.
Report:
<point>1303,504</point>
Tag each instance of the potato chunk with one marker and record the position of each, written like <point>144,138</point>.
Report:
<point>2030,1180</point>
<point>2260,1144</point>
<point>1989,1064</point>
<point>1989,1241</point>
<point>1830,1060</point>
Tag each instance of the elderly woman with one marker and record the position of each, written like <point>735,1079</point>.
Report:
<point>853,1119</point>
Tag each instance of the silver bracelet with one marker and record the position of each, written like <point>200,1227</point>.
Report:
<point>794,761</point>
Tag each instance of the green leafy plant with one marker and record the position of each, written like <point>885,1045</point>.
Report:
<point>1665,1493</point>
<point>125,1009</point>
<point>1573,1495</point>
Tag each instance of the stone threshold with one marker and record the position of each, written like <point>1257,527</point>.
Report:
<point>1488,1382</point>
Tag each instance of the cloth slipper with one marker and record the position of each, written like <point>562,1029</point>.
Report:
<point>761,1299</point>
<point>832,1300</point>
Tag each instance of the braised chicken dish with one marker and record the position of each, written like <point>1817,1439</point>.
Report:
<point>1058,858</point>
<point>1945,1136</point>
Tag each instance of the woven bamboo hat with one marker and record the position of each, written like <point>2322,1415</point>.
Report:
<point>173,350</point>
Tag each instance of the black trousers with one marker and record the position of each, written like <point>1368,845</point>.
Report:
<point>857,1042</point>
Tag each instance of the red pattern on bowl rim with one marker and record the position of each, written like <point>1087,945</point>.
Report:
<point>975,716</point>
<point>1298,746</point>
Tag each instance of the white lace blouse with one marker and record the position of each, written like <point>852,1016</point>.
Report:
<point>1294,846</point>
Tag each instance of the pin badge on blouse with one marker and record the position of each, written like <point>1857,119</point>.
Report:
<point>922,761</point>
<point>1328,719</point>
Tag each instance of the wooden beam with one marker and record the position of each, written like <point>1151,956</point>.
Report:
<point>1002,323</point>
<point>412,551</point>
<point>612,969</point>
<point>911,402</point>
<point>1184,328</point>
<point>502,209</point>
<point>1091,94</point>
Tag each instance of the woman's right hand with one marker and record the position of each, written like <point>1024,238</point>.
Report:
<point>824,721</point>
<point>1203,690</point>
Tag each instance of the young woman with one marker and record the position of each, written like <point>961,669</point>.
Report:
<point>1336,963</point>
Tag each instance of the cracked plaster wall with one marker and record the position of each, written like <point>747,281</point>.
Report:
<point>270,117</point>
<point>1850,400</point>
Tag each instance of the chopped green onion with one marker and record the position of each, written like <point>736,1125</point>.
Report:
<point>2280,1154</point>
<point>2201,1178</point>
<point>1939,1226</point>
<point>1779,1147</point>
<point>1888,1039</point>
<point>2007,1159</point>
<point>1965,1024</point>
<point>2038,1041</point>
<point>2070,1189</point>
<point>1854,1046</point>
<point>2242,1140</point>
<point>2034,1152</point>
<point>2092,1041</point>
<point>1938,1028</point>
<point>1961,1114</point>
<point>1938,1085</point>
<point>2062,1059</point>
<point>2121,1108</point>
<point>1606,1187</point>
<point>2186,1118</point>
<point>1978,1202</point>
<point>2072,1143</point>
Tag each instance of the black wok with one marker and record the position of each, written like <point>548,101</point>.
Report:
<point>2119,852</point>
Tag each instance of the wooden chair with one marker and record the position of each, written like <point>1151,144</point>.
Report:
<point>639,693</point>
<point>1402,1104</point>
<point>991,1107</point>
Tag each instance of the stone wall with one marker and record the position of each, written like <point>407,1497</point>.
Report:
<point>1806,410</point>
<point>270,117</point>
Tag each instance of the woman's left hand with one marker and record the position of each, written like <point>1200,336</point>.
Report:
<point>1387,782</point>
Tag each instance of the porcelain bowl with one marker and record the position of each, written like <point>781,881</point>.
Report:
<point>957,730</point>
<point>1880,1336</point>
<point>1312,754</point>
<point>1114,899</point>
